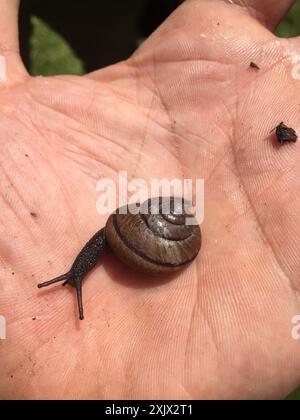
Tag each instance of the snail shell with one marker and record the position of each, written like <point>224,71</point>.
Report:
<point>157,239</point>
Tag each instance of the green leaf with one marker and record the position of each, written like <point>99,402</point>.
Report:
<point>50,53</point>
<point>291,25</point>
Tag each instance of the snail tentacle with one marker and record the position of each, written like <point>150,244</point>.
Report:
<point>86,260</point>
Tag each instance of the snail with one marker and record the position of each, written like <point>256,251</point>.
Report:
<point>155,239</point>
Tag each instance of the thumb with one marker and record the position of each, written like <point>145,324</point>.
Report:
<point>12,69</point>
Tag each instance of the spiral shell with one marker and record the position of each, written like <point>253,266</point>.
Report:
<point>157,238</point>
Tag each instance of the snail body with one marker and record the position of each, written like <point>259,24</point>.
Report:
<point>154,240</point>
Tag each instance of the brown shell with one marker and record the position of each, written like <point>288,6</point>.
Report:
<point>156,242</point>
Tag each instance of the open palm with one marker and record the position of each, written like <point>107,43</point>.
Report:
<point>186,105</point>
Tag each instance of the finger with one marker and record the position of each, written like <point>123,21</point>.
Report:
<point>270,12</point>
<point>9,24</point>
<point>11,66</point>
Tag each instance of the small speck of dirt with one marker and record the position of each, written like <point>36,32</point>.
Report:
<point>218,23</point>
<point>285,134</point>
<point>33,214</point>
<point>254,66</point>
<point>34,318</point>
<point>13,273</point>
<point>11,376</point>
<point>26,155</point>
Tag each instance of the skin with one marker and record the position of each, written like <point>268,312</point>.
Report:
<point>185,105</point>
